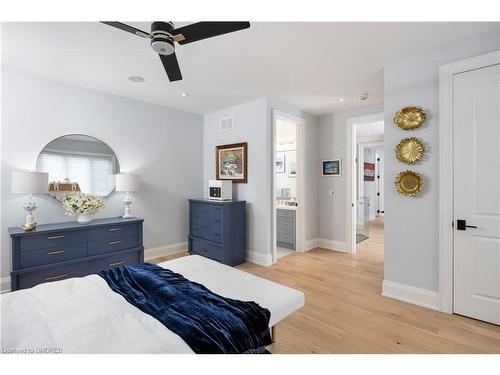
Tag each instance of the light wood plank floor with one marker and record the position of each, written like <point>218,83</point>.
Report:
<point>345,313</point>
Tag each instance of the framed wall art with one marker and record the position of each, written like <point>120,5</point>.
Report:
<point>231,162</point>
<point>369,172</point>
<point>331,167</point>
<point>280,162</point>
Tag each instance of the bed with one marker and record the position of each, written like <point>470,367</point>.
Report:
<point>83,315</point>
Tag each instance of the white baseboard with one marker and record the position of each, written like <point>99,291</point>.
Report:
<point>161,251</point>
<point>406,293</point>
<point>331,245</point>
<point>311,244</point>
<point>5,284</point>
<point>259,258</point>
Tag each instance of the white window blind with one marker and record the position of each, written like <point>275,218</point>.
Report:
<point>92,173</point>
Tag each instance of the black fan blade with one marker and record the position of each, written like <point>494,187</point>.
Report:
<point>127,28</point>
<point>171,67</point>
<point>203,30</point>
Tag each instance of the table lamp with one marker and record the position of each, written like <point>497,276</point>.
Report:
<point>24,182</point>
<point>128,183</point>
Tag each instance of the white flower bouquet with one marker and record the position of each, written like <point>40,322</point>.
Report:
<point>77,203</point>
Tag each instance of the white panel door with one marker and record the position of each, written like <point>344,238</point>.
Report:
<point>476,118</point>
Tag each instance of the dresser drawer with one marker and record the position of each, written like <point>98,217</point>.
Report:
<point>31,279</point>
<point>52,239</point>
<point>206,249</point>
<point>211,233</point>
<point>210,209</point>
<point>285,237</point>
<point>285,213</point>
<point>53,255</point>
<point>207,218</point>
<point>114,231</point>
<point>112,244</point>
<point>114,261</point>
<point>286,224</point>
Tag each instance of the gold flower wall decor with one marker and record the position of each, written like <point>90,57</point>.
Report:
<point>410,117</point>
<point>409,183</point>
<point>410,150</point>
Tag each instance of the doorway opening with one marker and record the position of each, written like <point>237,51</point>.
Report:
<point>287,185</point>
<point>365,180</point>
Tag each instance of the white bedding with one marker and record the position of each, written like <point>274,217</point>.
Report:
<point>83,315</point>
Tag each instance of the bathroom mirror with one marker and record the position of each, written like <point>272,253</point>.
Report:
<point>78,162</point>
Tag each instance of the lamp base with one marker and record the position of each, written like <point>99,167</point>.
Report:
<point>128,202</point>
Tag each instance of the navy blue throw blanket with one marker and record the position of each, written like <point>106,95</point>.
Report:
<point>207,322</point>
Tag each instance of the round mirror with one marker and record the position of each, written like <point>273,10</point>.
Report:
<point>78,162</point>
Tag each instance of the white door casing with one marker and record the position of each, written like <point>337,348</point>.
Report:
<point>476,171</point>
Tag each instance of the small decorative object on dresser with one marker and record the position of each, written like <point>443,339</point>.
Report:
<point>60,251</point>
<point>83,205</point>
<point>128,183</point>
<point>24,182</point>
<point>217,230</point>
<point>232,162</point>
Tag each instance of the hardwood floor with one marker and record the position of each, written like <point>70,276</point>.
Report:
<point>345,313</point>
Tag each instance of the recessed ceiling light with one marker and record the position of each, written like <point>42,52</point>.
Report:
<point>341,99</point>
<point>136,79</point>
<point>184,94</point>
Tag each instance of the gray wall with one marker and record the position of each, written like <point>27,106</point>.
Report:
<point>250,125</point>
<point>163,145</point>
<point>253,124</point>
<point>332,145</point>
<point>411,224</point>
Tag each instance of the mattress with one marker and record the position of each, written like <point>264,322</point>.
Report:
<point>83,315</point>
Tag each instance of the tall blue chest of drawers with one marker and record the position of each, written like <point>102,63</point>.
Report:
<point>217,230</point>
<point>59,251</point>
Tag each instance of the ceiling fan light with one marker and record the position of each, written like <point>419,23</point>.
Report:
<point>162,45</point>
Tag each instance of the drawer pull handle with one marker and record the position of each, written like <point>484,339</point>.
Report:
<point>217,234</point>
<point>114,229</point>
<point>55,237</point>
<point>52,278</point>
<point>56,252</point>
<point>114,242</point>
<point>216,221</point>
<point>116,264</point>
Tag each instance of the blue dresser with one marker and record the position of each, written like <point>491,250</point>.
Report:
<point>60,251</point>
<point>217,230</point>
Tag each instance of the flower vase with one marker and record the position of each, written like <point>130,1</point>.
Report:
<point>84,219</point>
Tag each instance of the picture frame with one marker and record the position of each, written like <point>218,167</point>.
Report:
<point>292,169</point>
<point>369,172</point>
<point>280,162</point>
<point>231,162</point>
<point>332,167</point>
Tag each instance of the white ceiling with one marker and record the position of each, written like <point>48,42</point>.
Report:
<point>310,65</point>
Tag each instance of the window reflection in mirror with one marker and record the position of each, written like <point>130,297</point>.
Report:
<point>78,162</point>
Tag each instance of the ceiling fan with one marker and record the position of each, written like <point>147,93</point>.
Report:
<point>163,36</point>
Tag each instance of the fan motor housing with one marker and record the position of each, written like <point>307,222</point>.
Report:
<point>162,42</point>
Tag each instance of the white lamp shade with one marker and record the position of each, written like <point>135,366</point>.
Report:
<point>127,182</point>
<point>24,182</point>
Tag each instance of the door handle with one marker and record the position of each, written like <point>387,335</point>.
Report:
<point>462,225</point>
